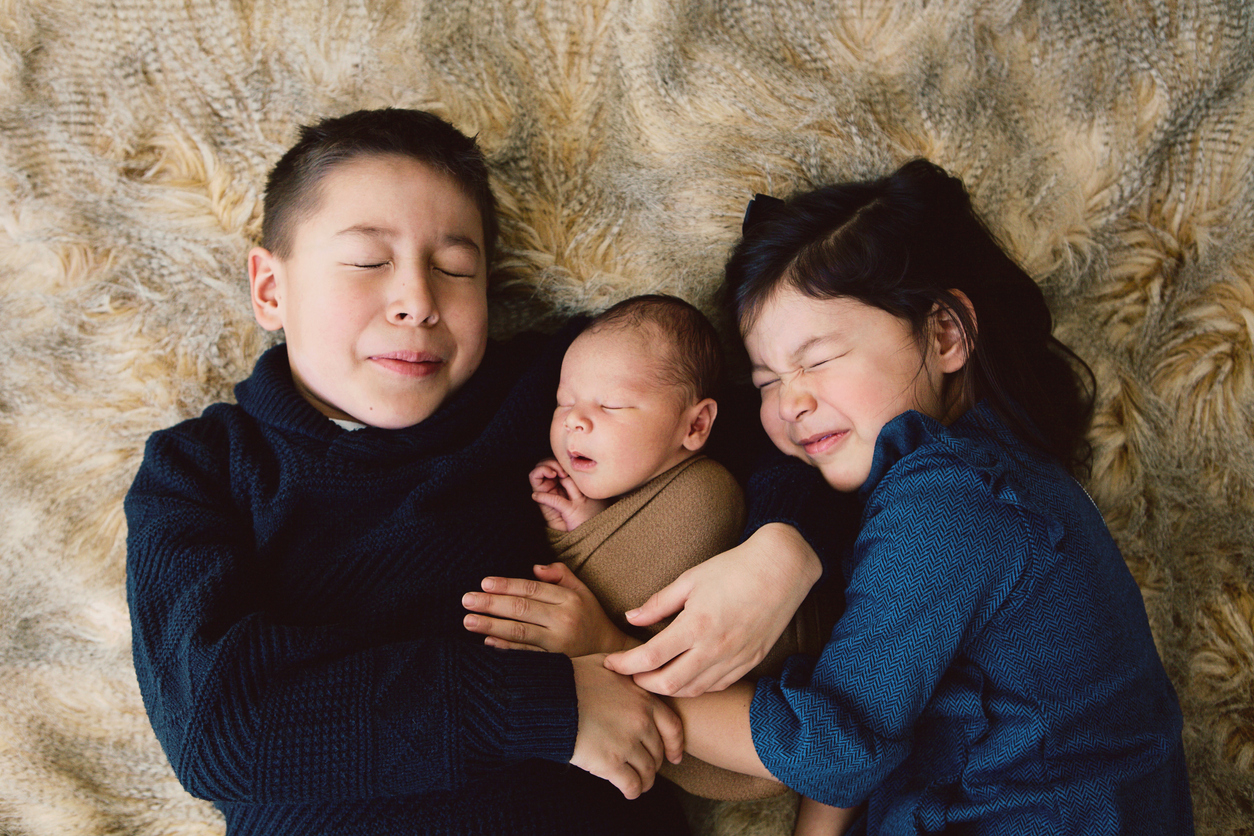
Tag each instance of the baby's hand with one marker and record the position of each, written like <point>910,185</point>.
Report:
<point>564,506</point>
<point>557,613</point>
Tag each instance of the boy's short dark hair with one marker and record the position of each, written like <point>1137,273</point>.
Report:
<point>292,187</point>
<point>696,356</point>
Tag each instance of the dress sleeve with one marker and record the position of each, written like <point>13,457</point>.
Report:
<point>252,710</point>
<point>934,560</point>
<point>779,488</point>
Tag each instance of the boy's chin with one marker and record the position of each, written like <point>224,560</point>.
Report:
<point>385,418</point>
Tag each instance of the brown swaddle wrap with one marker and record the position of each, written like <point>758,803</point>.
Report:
<point>645,540</point>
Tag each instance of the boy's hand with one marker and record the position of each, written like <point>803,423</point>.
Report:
<point>557,613</point>
<point>624,731</point>
<point>564,506</point>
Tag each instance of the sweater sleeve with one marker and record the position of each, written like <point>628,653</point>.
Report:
<point>248,709</point>
<point>935,557</point>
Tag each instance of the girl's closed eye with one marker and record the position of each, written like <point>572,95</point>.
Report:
<point>824,362</point>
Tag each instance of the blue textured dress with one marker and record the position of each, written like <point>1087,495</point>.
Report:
<point>994,671</point>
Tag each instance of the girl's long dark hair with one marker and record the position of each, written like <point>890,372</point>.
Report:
<point>902,243</point>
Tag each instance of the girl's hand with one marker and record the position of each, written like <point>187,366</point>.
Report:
<point>735,606</point>
<point>564,506</point>
<point>557,613</point>
<point>624,731</point>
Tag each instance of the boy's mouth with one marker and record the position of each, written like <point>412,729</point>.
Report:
<point>409,363</point>
<point>580,462</point>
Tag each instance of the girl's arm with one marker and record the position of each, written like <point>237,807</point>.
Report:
<point>732,609</point>
<point>716,729</point>
<point>817,819</point>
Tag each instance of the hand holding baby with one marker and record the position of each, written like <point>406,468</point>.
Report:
<point>557,613</point>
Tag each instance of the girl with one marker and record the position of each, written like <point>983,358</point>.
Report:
<point>993,671</point>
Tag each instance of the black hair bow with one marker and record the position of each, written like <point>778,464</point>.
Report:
<point>759,209</point>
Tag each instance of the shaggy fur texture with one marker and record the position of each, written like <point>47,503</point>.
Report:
<point>1110,145</point>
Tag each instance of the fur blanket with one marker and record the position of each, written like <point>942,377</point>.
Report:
<point>1109,144</point>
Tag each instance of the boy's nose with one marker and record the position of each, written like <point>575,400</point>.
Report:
<point>412,301</point>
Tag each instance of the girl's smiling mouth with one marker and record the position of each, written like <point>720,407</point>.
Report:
<point>822,442</point>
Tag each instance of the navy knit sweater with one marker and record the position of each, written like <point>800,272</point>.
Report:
<point>295,597</point>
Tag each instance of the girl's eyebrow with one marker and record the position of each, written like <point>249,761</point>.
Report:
<point>800,350</point>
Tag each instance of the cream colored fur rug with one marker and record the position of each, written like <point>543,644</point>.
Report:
<point>1110,143</point>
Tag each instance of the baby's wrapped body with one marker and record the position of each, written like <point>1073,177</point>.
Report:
<point>649,537</point>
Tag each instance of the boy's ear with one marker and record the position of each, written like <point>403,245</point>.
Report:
<point>949,338</point>
<point>700,421</point>
<point>263,286</point>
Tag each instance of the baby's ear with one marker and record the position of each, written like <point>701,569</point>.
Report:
<point>264,268</point>
<point>700,417</point>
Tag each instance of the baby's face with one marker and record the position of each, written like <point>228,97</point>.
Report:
<point>617,425</point>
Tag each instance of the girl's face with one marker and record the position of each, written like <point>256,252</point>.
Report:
<point>832,372</point>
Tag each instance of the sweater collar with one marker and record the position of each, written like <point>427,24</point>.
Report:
<point>270,396</point>
<point>973,438</point>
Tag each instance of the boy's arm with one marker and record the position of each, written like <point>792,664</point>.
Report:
<point>249,709</point>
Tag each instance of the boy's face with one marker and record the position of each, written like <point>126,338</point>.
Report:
<point>383,301</point>
<point>617,425</point>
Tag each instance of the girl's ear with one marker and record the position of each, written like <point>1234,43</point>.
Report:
<point>700,421</point>
<point>949,339</point>
<point>263,288</point>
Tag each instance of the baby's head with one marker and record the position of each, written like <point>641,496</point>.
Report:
<point>635,398</point>
<point>376,238</point>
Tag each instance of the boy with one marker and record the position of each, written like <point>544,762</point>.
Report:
<point>293,559</point>
<point>630,501</point>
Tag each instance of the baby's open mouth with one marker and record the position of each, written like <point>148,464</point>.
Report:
<point>581,462</point>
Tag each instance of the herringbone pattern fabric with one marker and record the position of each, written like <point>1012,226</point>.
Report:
<point>993,663</point>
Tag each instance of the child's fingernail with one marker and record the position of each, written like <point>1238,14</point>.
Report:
<point>489,584</point>
<point>631,613</point>
<point>470,622</point>
<point>470,599</point>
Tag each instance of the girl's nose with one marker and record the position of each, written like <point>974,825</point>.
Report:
<point>795,401</point>
<point>412,300</point>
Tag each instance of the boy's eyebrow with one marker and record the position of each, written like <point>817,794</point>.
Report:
<point>371,231</point>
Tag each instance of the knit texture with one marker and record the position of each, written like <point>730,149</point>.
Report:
<point>1108,143</point>
<point>993,669</point>
<point>295,593</point>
